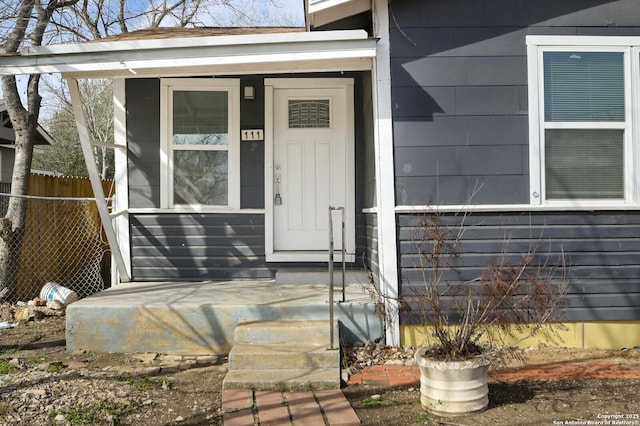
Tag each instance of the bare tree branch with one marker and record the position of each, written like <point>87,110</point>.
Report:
<point>17,35</point>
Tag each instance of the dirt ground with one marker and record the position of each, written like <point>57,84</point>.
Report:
<point>521,396</point>
<point>545,386</point>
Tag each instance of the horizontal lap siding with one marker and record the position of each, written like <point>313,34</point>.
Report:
<point>198,246</point>
<point>459,91</point>
<point>460,105</point>
<point>600,251</point>
<point>461,137</point>
<point>372,245</point>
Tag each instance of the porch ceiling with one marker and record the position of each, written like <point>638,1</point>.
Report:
<point>210,55</point>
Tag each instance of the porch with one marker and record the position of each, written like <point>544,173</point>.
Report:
<point>198,318</point>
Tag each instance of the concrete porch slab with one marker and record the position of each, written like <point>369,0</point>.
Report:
<point>197,318</point>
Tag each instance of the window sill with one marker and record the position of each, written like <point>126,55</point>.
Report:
<point>195,210</point>
<point>515,207</point>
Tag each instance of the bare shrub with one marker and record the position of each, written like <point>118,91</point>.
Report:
<point>512,299</point>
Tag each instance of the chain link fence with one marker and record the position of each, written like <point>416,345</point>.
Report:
<point>63,243</point>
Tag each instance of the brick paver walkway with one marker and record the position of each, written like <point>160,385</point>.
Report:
<point>244,407</point>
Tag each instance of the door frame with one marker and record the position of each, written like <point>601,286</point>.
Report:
<point>346,84</point>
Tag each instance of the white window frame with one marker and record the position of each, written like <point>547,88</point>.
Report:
<point>167,87</point>
<point>536,46</point>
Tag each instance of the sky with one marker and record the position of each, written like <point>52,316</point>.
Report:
<point>258,13</point>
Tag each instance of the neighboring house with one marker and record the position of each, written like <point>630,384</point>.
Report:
<point>523,113</point>
<point>8,140</point>
<point>7,152</point>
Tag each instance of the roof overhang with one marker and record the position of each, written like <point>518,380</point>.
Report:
<point>350,50</point>
<point>322,12</point>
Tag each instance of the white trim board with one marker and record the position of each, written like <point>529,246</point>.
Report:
<point>513,208</point>
<point>384,169</point>
<point>581,41</point>
<point>121,178</point>
<point>308,256</point>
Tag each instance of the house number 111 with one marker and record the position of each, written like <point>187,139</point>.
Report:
<point>252,135</point>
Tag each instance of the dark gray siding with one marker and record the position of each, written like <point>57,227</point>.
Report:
<point>252,152</point>
<point>198,246</point>
<point>143,139</point>
<point>459,97</point>
<point>600,251</point>
<point>459,91</point>
<point>365,154</point>
<point>372,246</point>
<point>364,167</point>
<point>7,157</point>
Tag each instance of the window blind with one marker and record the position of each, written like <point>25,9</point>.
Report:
<point>584,86</point>
<point>584,164</point>
<point>200,118</point>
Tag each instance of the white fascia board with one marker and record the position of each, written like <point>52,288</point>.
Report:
<point>316,46</point>
<point>198,42</point>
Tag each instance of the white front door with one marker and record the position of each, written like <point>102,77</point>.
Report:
<point>312,167</point>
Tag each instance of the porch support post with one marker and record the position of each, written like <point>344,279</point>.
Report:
<point>385,178</point>
<point>121,179</point>
<point>94,177</point>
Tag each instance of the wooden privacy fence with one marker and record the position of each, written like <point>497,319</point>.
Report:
<point>63,239</point>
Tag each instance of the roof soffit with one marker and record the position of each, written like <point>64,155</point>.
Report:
<point>322,12</point>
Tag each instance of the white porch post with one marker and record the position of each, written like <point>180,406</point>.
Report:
<point>94,176</point>
<point>385,180</point>
<point>121,178</point>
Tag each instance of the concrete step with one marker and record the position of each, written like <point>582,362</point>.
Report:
<point>244,356</point>
<point>289,276</point>
<point>285,331</point>
<point>283,380</point>
<point>284,355</point>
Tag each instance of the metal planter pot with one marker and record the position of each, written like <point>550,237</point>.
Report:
<point>453,388</point>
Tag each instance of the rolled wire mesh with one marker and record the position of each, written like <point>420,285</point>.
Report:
<point>62,243</point>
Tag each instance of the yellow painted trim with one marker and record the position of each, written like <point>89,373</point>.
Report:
<point>586,335</point>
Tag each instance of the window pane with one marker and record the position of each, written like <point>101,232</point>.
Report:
<point>584,164</point>
<point>309,114</point>
<point>583,86</point>
<point>200,118</point>
<point>200,177</point>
